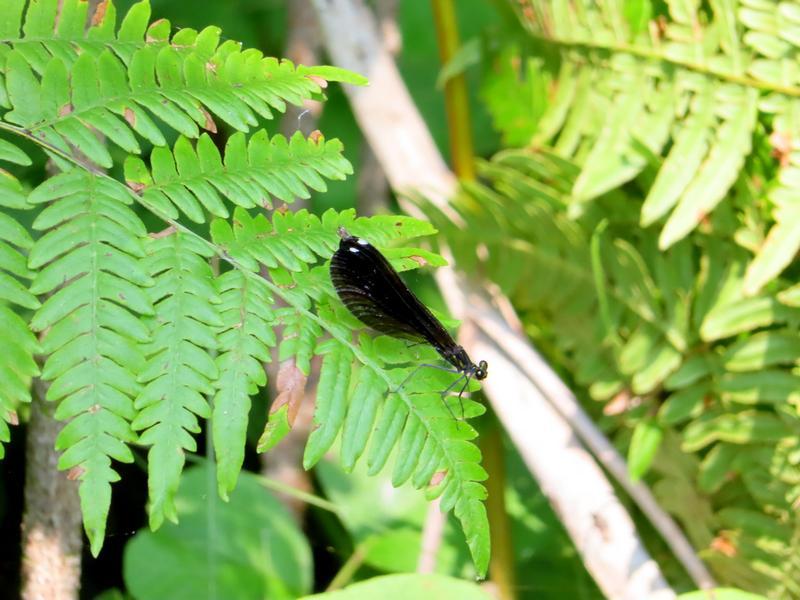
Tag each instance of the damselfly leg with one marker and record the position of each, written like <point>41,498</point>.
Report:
<point>443,394</point>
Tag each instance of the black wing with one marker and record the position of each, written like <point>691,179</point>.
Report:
<point>373,291</point>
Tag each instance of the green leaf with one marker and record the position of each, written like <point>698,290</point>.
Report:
<point>467,55</point>
<point>790,296</point>
<point>334,381</point>
<point>91,334</point>
<point>683,161</point>
<point>781,244</point>
<point>766,386</point>
<point>744,315</point>
<point>763,349</point>
<point>250,174</point>
<point>277,427</point>
<point>361,412</point>
<point>718,173</point>
<point>685,404</point>
<point>736,428</point>
<point>11,153</point>
<point>395,587</point>
<point>693,369</point>
<point>717,467</point>
<point>179,368</point>
<point>644,445</point>
<point>612,159</point>
<point>247,547</point>
<point>333,74</point>
<point>245,340</point>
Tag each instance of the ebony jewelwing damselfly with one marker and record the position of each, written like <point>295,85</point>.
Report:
<point>372,290</point>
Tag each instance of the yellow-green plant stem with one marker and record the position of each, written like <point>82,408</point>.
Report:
<point>349,568</point>
<point>501,564</point>
<point>459,126</point>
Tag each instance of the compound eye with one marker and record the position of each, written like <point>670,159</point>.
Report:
<point>481,371</point>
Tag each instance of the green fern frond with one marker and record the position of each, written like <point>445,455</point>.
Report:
<point>251,172</point>
<point>299,339</point>
<point>138,333</point>
<point>413,420</point>
<point>711,366</point>
<point>295,239</point>
<point>19,368</point>
<point>683,101</point>
<point>245,340</point>
<point>180,369</point>
<point>93,242</point>
<point>93,81</point>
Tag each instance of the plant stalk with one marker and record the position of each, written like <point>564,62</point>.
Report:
<point>501,565</point>
<point>459,125</point>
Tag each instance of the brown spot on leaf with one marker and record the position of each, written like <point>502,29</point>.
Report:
<point>323,83</point>
<point>163,233</point>
<point>149,38</point>
<point>99,13</point>
<point>724,545</point>
<point>65,110</point>
<point>210,125</point>
<point>619,404</point>
<point>315,136</point>
<point>781,147</point>
<point>136,186</point>
<point>75,473</point>
<point>283,208</point>
<point>12,417</point>
<point>291,385</point>
<point>438,477</point>
<point>130,116</point>
<point>419,260</point>
<point>94,408</point>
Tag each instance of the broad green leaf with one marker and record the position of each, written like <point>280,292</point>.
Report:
<point>396,587</point>
<point>247,547</point>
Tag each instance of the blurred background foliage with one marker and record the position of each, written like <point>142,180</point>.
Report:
<point>646,228</point>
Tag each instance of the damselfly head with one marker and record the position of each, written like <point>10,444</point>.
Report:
<point>482,370</point>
